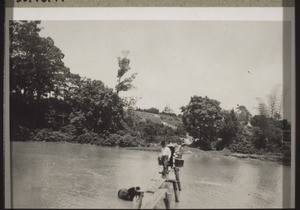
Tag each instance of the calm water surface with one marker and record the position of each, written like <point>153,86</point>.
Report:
<point>64,175</point>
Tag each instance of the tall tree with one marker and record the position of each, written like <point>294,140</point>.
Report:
<point>126,83</point>
<point>273,108</point>
<point>243,114</point>
<point>202,119</point>
<point>268,131</point>
<point>36,71</point>
<point>229,129</point>
<point>96,108</point>
<point>275,103</point>
<point>35,62</point>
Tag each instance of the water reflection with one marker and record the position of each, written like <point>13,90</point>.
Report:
<point>63,175</point>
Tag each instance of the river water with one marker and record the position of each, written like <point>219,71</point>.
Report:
<point>65,175</point>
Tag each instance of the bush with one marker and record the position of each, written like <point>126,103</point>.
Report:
<point>69,129</point>
<point>243,142</point>
<point>229,129</point>
<point>259,138</point>
<point>111,140</point>
<point>123,141</point>
<point>19,133</point>
<point>89,138</point>
<point>128,141</point>
<point>243,147</point>
<point>219,144</point>
<point>49,135</point>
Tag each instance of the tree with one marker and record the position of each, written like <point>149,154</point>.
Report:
<point>273,107</point>
<point>35,62</point>
<point>243,114</point>
<point>126,83</point>
<point>96,108</point>
<point>36,71</point>
<point>262,109</point>
<point>268,131</point>
<point>167,110</point>
<point>152,110</point>
<point>275,103</point>
<point>229,129</point>
<point>202,119</point>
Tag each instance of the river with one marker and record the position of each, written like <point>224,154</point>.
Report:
<point>65,175</point>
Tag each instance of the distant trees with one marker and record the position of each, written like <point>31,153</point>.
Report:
<point>202,119</point>
<point>150,110</point>
<point>153,110</point>
<point>168,111</point>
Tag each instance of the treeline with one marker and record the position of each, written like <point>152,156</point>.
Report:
<point>49,103</point>
<point>166,111</point>
<point>213,127</point>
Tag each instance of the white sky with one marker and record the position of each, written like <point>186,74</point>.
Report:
<point>176,60</point>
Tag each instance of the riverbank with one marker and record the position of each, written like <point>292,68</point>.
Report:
<point>214,153</point>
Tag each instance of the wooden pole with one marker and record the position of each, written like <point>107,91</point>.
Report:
<point>167,200</point>
<point>175,191</point>
<point>176,170</point>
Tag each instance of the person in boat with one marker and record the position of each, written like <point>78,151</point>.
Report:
<point>178,150</point>
<point>129,194</point>
<point>164,157</point>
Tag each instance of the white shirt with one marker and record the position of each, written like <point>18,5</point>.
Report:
<point>165,151</point>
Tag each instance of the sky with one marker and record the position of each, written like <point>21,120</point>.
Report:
<point>234,62</point>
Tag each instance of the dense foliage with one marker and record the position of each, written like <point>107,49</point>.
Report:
<point>229,129</point>
<point>44,94</point>
<point>202,119</point>
<point>49,103</point>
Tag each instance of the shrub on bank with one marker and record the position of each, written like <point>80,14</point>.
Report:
<point>126,140</point>
<point>129,141</point>
<point>243,147</point>
<point>112,140</point>
<point>243,142</point>
<point>69,129</point>
<point>52,136</point>
<point>88,138</point>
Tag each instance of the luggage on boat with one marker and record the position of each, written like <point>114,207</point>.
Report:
<point>179,162</point>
